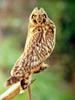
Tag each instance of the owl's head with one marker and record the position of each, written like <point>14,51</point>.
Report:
<point>38,16</point>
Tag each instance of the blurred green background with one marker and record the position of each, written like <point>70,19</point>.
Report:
<point>58,81</point>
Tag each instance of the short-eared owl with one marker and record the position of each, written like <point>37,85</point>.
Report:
<point>39,46</point>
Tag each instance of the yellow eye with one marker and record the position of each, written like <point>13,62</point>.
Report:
<point>44,15</point>
<point>44,18</point>
<point>33,16</point>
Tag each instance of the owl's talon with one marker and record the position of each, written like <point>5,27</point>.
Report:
<point>26,85</point>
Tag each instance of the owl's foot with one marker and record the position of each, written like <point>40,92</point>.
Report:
<point>25,84</point>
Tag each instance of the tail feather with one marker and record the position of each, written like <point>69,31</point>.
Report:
<point>11,81</point>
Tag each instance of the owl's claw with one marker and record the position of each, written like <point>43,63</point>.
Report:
<point>26,85</point>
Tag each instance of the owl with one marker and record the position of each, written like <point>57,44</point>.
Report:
<point>39,46</point>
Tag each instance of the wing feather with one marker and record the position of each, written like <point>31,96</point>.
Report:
<point>38,48</point>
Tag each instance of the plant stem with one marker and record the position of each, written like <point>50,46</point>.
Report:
<point>29,93</point>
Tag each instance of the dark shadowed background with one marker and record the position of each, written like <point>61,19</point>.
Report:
<point>58,81</point>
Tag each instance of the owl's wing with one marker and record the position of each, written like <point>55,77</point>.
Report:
<point>38,47</point>
<point>17,65</point>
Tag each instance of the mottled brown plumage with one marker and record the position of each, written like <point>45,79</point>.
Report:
<point>39,45</point>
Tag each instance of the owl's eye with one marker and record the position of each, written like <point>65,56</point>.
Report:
<point>44,18</point>
<point>44,15</point>
<point>33,16</point>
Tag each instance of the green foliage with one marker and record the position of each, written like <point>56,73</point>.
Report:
<point>9,52</point>
<point>49,85</point>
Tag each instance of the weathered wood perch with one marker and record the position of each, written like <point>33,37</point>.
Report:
<point>13,91</point>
